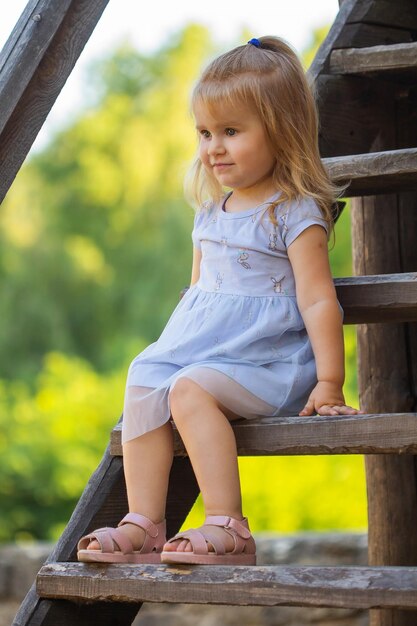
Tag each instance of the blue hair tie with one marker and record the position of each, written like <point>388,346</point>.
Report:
<point>255,42</point>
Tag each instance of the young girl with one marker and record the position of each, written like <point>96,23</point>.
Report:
<point>259,331</point>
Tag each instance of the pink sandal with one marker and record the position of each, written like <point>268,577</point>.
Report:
<point>116,547</point>
<point>244,552</point>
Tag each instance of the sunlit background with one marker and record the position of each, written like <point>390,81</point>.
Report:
<point>95,247</point>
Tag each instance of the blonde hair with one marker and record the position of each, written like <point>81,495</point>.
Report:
<point>271,81</point>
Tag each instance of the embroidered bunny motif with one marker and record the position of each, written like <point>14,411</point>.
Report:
<point>219,280</point>
<point>283,219</point>
<point>273,241</point>
<point>242,258</point>
<point>277,284</point>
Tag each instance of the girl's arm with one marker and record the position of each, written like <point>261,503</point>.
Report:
<point>318,305</point>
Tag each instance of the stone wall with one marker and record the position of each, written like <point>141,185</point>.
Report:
<point>19,564</point>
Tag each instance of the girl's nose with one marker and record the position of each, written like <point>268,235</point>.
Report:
<point>216,146</point>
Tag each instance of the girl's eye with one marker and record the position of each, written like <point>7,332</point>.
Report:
<point>230,132</point>
<point>205,134</point>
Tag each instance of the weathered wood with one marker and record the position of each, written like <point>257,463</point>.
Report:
<point>25,49</point>
<point>340,587</point>
<point>375,172</point>
<point>398,59</point>
<point>378,298</point>
<point>350,113</point>
<point>401,14</point>
<point>362,35</point>
<point>387,363</point>
<point>322,56</point>
<point>341,434</point>
<point>34,66</point>
<point>104,503</point>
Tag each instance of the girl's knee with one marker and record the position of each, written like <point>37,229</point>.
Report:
<point>185,394</point>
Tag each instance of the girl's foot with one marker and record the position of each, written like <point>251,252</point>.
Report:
<point>136,534</point>
<point>222,540</point>
<point>184,545</point>
<point>137,539</point>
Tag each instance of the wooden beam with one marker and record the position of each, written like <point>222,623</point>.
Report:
<point>378,298</point>
<point>376,59</point>
<point>361,35</point>
<point>34,66</point>
<point>384,240</point>
<point>375,172</point>
<point>338,587</point>
<point>342,434</point>
<point>400,14</point>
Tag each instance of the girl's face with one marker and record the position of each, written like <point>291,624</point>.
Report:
<point>235,149</point>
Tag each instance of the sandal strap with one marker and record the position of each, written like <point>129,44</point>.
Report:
<point>155,536</point>
<point>121,540</point>
<point>196,539</point>
<point>240,526</point>
<point>108,538</point>
<point>199,538</point>
<point>237,529</point>
<point>143,522</point>
<point>218,544</point>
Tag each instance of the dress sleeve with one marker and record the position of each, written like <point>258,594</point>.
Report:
<point>299,216</point>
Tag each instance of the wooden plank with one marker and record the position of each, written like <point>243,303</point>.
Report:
<point>401,13</point>
<point>375,172</point>
<point>397,58</point>
<point>25,49</point>
<point>353,434</point>
<point>378,298</point>
<point>338,587</point>
<point>35,65</point>
<point>361,35</point>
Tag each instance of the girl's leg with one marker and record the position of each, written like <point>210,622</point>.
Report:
<point>211,446</point>
<point>147,463</point>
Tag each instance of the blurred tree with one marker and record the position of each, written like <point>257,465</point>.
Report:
<point>92,233</point>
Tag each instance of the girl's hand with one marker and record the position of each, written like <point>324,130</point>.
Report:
<point>327,399</point>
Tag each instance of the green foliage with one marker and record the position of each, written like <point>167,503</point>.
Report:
<point>93,232</point>
<point>94,248</point>
<point>50,442</point>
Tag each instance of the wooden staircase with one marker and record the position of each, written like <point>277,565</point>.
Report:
<point>365,76</point>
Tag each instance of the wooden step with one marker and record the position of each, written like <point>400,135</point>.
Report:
<point>375,172</point>
<point>399,59</point>
<point>338,587</point>
<point>378,298</point>
<point>391,433</point>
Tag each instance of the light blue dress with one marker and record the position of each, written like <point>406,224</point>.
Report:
<point>238,331</point>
